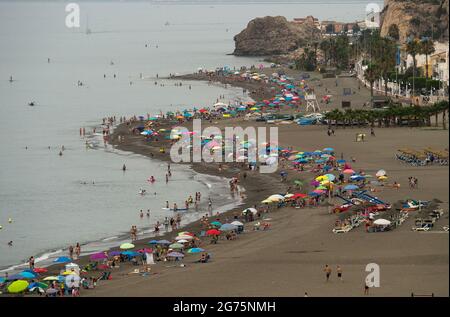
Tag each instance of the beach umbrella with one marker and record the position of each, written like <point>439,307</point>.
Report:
<point>2,279</point>
<point>228,227</point>
<point>298,182</point>
<point>145,250</point>
<point>37,284</point>
<point>288,195</point>
<point>271,160</point>
<point>195,250</point>
<point>382,178</point>
<point>313,194</point>
<point>183,238</point>
<point>315,183</point>
<point>321,187</point>
<point>62,259</point>
<point>176,246</point>
<point>382,222</point>
<point>299,195</point>
<point>40,270</point>
<point>114,253</point>
<point>98,256</point>
<point>65,273</point>
<point>213,232</point>
<point>182,241</point>
<point>17,286</point>
<point>380,173</point>
<point>321,178</point>
<point>340,161</point>
<point>51,278</point>
<point>130,253</point>
<point>126,246</point>
<point>14,277</point>
<point>348,171</point>
<point>216,223</point>
<point>266,201</point>
<point>351,187</point>
<point>237,223</point>
<point>185,233</point>
<point>276,197</point>
<point>164,242</point>
<point>73,281</point>
<point>51,291</point>
<point>27,275</point>
<point>176,255</point>
<point>330,177</point>
<point>328,149</point>
<point>318,191</point>
<point>153,242</point>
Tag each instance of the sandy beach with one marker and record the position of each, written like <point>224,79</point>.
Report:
<point>288,259</point>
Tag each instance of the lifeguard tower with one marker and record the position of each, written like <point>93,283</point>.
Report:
<point>311,102</point>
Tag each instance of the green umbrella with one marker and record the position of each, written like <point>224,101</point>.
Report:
<point>176,246</point>
<point>126,246</point>
<point>17,286</point>
<point>297,182</point>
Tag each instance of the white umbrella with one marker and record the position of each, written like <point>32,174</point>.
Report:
<point>183,237</point>
<point>220,104</point>
<point>252,210</point>
<point>275,197</point>
<point>382,222</point>
<point>237,223</point>
<point>380,173</point>
<point>73,281</point>
<point>182,241</point>
<point>271,160</point>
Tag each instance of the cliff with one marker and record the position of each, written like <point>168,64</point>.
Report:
<point>416,18</point>
<point>273,36</point>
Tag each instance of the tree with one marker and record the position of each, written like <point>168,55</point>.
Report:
<point>325,46</point>
<point>426,48</point>
<point>386,59</point>
<point>394,32</point>
<point>372,74</point>
<point>413,48</point>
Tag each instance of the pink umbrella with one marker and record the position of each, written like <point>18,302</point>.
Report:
<point>318,191</point>
<point>99,256</point>
<point>145,250</point>
<point>349,171</point>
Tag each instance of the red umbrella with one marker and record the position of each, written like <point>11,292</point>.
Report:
<point>203,110</point>
<point>103,267</point>
<point>145,250</point>
<point>299,195</point>
<point>40,270</point>
<point>213,232</point>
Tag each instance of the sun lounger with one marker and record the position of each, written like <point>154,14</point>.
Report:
<point>425,228</point>
<point>342,229</point>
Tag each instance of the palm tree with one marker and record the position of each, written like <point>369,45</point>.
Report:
<point>386,59</point>
<point>427,48</point>
<point>413,47</point>
<point>372,74</point>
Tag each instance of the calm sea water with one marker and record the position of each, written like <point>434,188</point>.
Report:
<point>42,192</point>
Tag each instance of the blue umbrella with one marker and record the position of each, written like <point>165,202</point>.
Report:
<point>114,253</point>
<point>62,259</point>
<point>164,242</point>
<point>27,275</point>
<point>313,194</point>
<point>153,242</point>
<point>330,177</point>
<point>351,187</point>
<point>328,149</point>
<point>176,254</point>
<point>2,279</point>
<point>341,161</point>
<point>14,277</point>
<point>130,253</point>
<point>196,250</point>
<point>227,227</point>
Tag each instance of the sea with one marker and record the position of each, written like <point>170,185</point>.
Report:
<point>48,201</point>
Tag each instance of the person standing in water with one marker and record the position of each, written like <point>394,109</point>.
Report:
<point>124,168</point>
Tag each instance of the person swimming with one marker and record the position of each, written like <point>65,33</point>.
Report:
<point>142,191</point>
<point>151,179</point>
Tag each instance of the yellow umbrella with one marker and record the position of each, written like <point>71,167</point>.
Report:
<point>226,115</point>
<point>51,278</point>
<point>267,201</point>
<point>254,108</point>
<point>382,178</point>
<point>321,178</point>
<point>18,286</point>
<point>68,273</point>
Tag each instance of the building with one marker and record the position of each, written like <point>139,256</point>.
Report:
<point>437,62</point>
<point>308,20</point>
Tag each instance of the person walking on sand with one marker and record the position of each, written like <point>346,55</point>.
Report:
<point>141,214</point>
<point>372,132</point>
<point>71,252</point>
<point>31,262</point>
<point>327,271</point>
<point>366,288</point>
<point>148,213</point>
<point>339,273</point>
<point>166,224</point>
<point>78,250</point>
